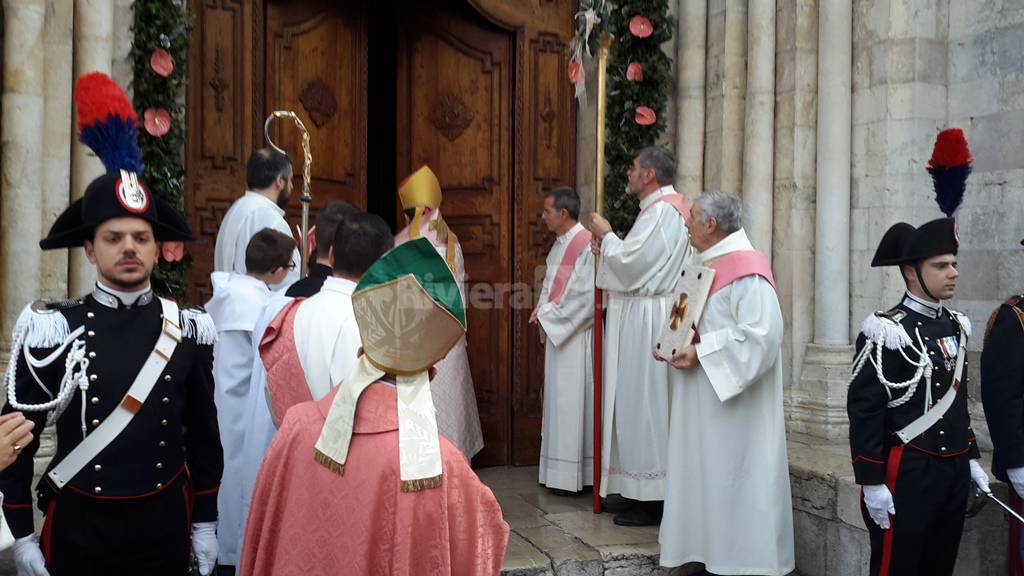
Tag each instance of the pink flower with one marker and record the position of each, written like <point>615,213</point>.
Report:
<point>172,251</point>
<point>161,62</point>
<point>157,121</point>
<point>645,116</point>
<point>574,71</point>
<point>640,27</point>
<point>635,72</point>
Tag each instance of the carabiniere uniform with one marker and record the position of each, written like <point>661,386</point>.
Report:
<point>905,432</point>
<point>129,387</point>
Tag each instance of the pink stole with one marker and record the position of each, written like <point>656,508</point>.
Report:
<point>576,246</point>
<point>739,264</point>
<point>678,201</point>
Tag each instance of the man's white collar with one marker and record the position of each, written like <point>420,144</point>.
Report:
<point>253,194</point>
<point>735,242</point>
<point>664,190</point>
<point>568,235</point>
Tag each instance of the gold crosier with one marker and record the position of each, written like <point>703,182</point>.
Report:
<point>307,165</point>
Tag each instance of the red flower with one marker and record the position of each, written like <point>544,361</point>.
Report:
<point>640,27</point>
<point>635,72</point>
<point>161,62</point>
<point>574,71</point>
<point>645,116</point>
<point>157,121</point>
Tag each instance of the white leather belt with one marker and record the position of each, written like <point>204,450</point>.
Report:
<point>922,424</point>
<point>118,420</point>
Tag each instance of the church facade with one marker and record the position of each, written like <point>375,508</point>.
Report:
<point>820,114</point>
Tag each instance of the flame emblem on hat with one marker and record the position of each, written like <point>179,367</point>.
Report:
<point>131,194</point>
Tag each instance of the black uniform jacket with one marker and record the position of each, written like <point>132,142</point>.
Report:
<point>173,433</point>
<point>311,284</point>
<point>873,425</point>
<point>1002,386</point>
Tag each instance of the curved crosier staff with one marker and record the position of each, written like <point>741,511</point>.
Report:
<point>307,164</point>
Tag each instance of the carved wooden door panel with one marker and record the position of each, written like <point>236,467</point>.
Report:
<point>316,65</point>
<point>454,94</point>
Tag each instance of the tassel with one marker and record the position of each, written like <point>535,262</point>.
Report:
<point>328,462</point>
<point>199,326</point>
<point>42,329</point>
<point>421,484</point>
<point>883,331</point>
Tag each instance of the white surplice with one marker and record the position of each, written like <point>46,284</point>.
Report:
<point>237,302</point>
<point>247,216</point>
<point>728,503</point>
<point>567,431</point>
<point>452,387</point>
<point>258,416</point>
<point>639,274</point>
<point>327,336</point>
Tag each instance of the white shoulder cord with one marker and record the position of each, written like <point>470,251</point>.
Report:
<point>923,365</point>
<point>76,367</point>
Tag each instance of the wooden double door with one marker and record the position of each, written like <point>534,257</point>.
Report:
<point>385,87</point>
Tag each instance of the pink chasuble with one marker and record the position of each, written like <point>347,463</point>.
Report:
<point>306,520</point>
<point>286,382</point>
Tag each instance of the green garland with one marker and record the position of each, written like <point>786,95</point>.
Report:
<point>624,136</point>
<point>162,24</point>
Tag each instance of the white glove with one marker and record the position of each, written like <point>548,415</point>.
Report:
<point>979,477</point>
<point>28,557</point>
<point>204,546</point>
<point>1017,480</point>
<point>878,501</point>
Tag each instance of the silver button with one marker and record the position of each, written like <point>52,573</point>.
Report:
<point>95,422</point>
<point>90,315</point>
<point>159,465</point>
<point>926,338</point>
<point>92,354</point>
<point>93,378</point>
<point>942,432</point>
<point>97,467</point>
<point>932,352</point>
<point>91,333</point>
<point>159,485</point>
<point>97,489</point>
<point>943,449</point>
<point>165,400</point>
<point>162,444</point>
<point>918,323</point>
<point>936,384</point>
<point>163,422</point>
<point>167,377</point>
<point>94,400</point>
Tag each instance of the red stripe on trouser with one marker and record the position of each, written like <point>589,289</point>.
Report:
<point>1013,560</point>
<point>48,530</point>
<point>892,468</point>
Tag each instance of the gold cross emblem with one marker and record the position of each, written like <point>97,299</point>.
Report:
<point>679,310</point>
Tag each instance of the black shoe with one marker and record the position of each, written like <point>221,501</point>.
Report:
<point>563,493</point>
<point>643,514</point>
<point>617,506</point>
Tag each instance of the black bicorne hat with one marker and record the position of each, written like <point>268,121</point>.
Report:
<point>115,195</point>
<point>904,244</point>
<point>108,125</point>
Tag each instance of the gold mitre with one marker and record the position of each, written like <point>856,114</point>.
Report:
<point>420,190</point>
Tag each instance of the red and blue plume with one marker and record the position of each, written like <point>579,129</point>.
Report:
<point>107,123</point>
<point>950,166</point>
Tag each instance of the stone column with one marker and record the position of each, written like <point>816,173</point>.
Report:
<point>690,58</point>
<point>758,131</point>
<point>827,360</point>
<point>21,158</point>
<point>57,137</point>
<point>94,23</point>
<point>726,86</point>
